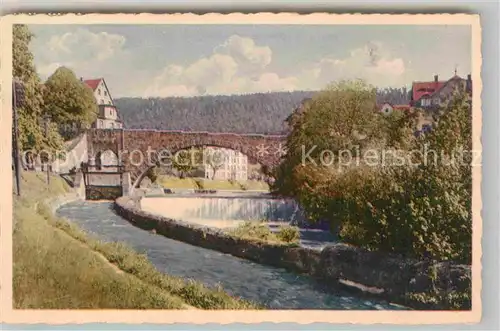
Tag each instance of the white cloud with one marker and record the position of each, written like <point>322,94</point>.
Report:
<point>240,66</point>
<point>205,75</point>
<point>83,51</point>
<point>245,52</point>
<point>82,43</point>
<point>235,67</point>
<point>371,63</point>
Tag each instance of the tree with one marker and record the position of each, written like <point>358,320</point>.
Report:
<point>152,174</point>
<point>215,159</point>
<point>338,122</point>
<point>31,133</point>
<point>186,161</point>
<point>68,100</point>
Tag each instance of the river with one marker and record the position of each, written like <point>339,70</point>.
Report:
<point>273,287</point>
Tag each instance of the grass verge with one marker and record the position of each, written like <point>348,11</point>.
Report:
<point>53,270</point>
<point>175,182</point>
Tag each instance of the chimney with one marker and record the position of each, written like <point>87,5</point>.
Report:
<point>468,84</point>
<point>436,78</point>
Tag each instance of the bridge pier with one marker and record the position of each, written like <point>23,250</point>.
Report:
<point>79,184</point>
<point>127,184</point>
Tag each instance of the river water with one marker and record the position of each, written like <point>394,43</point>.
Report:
<point>273,287</point>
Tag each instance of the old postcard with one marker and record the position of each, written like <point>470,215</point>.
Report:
<point>241,165</point>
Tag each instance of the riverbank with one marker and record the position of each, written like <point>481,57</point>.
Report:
<point>58,266</point>
<point>417,284</point>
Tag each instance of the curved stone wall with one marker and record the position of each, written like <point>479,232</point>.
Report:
<point>387,276</point>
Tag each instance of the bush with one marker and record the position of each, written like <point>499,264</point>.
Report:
<point>260,231</point>
<point>424,210</point>
<point>253,230</point>
<point>420,209</point>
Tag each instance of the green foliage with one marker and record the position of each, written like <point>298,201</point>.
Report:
<point>152,174</point>
<point>31,133</point>
<point>420,207</point>
<point>445,300</point>
<point>260,232</point>
<point>68,100</point>
<point>186,161</point>
<point>288,234</point>
<point>253,230</point>
<point>339,121</point>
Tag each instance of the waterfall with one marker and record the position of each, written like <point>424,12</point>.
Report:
<point>225,208</point>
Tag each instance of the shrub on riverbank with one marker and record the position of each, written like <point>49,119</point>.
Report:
<point>260,231</point>
<point>288,234</point>
<point>52,270</point>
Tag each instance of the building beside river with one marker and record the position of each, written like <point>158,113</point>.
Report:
<point>107,113</point>
<point>227,164</point>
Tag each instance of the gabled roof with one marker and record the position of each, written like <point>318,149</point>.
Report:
<point>454,78</point>
<point>421,89</point>
<point>93,83</point>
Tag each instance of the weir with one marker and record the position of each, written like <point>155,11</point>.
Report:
<point>229,209</point>
<point>226,207</point>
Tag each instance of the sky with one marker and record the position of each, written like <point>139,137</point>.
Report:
<point>193,60</point>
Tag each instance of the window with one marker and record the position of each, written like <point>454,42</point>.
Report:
<point>99,91</point>
<point>102,101</point>
<point>425,102</point>
<point>106,93</point>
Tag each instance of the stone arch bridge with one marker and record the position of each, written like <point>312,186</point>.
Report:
<point>139,150</point>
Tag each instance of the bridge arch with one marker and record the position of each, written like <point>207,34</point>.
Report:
<point>106,160</point>
<point>201,154</point>
<point>231,166</point>
<point>265,150</point>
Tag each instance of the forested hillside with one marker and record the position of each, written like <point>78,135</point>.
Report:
<point>251,113</point>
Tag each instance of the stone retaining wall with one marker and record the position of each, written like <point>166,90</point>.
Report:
<point>103,192</point>
<point>389,276</point>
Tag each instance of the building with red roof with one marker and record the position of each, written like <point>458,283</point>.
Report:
<point>431,94</point>
<point>107,113</point>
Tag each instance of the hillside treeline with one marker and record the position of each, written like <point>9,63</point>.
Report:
<point>250,113</point>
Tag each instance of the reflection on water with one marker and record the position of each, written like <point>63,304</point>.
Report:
<point>273,287</point>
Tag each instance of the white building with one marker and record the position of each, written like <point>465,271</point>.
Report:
<point>227,163</point>
<point>107,114</point>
